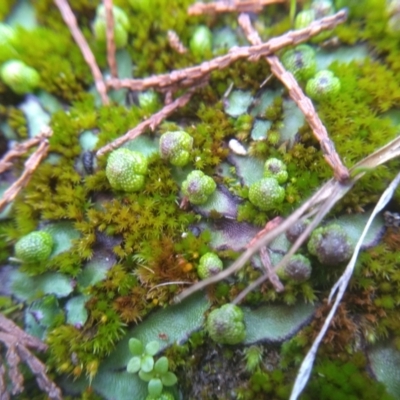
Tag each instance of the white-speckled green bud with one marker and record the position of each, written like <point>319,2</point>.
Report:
<point>198,187</point>
<point>304,18</point>
<point>324,85</point>
<point>121,26</point>
<point>301,62</point>
<point>266,194</point>
<point>126,170</point>
<point>297,269</point>
<point>210,264</point>
<point>201,41</point>
<point>225,325</point>
<point>35,247</point>
<point>19,77</point>
<point>275,168</point>
<point>176,147</point>
<point>330,244</point>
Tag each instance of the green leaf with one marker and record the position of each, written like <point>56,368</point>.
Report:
<point>161,365</point>
<point>155,387</point>
<point>147,363</point>
<point>135,347</point>
<point>152,347</point>
<point>169,379</point>
<point>134,365</point>
<point>146,376</point>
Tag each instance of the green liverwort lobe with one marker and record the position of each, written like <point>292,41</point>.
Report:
<point>126,170</point>
<point>331,245</point>
<point>266,194</point>
<point>210,264</point>
<point>324,85</point>
<point>301,62</point>
<point>176,147</point>
<point>19,77</point>
<point>198,187</point>
<point>225,325</point>
<point>275,168</point>
<point>35,247</point>
<point>121,26</point>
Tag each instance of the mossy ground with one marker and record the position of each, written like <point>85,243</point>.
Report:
<point>143,231</point>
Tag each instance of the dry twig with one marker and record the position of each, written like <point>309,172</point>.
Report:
<point>20,149</point>
<point>189,76</point>
<point>254,6</point>
<point>175,42</point>
<point>30,165</point>
<point>151,122</point>
<point>70,20</point>
<point>110,38</point>
<point>18,343</point>
<point>302,101</point>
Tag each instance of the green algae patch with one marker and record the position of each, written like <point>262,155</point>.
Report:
<point>275,323</point>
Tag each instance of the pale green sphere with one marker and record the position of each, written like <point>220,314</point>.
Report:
<point>301,62</point>
<point>19,77</point>
<point>324,85</point>
<point>126,170</point>
<point>198,187</point>
<point>225,325</point>
<point>175,147</point>
<point>210,264</point>
<point>266,194</point>
<point>275,168</point>
<point>35,247</point>
<point>201,41</point>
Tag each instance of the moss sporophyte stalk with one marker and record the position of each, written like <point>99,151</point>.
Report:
<point>102,238</point>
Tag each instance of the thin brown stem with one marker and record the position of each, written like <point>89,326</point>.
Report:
<point>112,63</point>
<point>254,6</point>
<point>303,102</point>
<point>70,20</point>
<point>30,166</point>
<point>151,123</point>
<point>187,77</point>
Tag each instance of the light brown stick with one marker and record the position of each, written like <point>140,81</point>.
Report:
<point>151,122</point>
<point>70,20</point>
<point>303,102</point>
<point>30,166</point>
<point>189,76</point>
<point>108,7</point>
<point>255,6</point>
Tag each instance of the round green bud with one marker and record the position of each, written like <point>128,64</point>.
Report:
<point>121,26</point>
<point>266,194</point>
<point>201,41</point>
<point>176,147</point>
<point>126,170</point>
<point>35,247</point>
<point>275,168</point>
<point>198,187</point>
<point>148,101</point>
<point>324,85</point>
<point>210,264</point>
<point>19,77</point>
<point>296,230</point>
<point>225,325</point>
<point>301,62</point>
<point>304,18</point>
<point>330,244</point>
<point>298,269</point>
